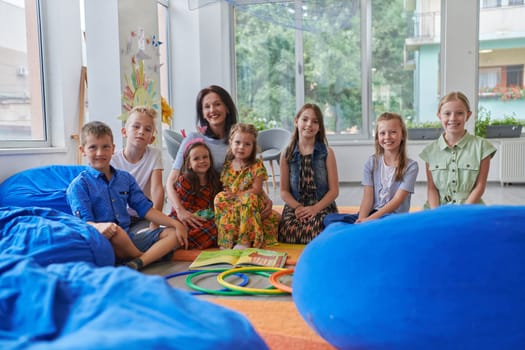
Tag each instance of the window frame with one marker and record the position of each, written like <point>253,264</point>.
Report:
<point>45,142</point>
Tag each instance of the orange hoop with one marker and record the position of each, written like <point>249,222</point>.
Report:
<point>274,280</point>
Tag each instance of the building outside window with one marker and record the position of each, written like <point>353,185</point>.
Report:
<point>357,59</point>
<point>22,113</point>
<point>502,60</point>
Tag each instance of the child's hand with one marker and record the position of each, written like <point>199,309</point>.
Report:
<point>182,235</point>
<point>108,229</point>
<point>267,210</point>
<point>188,219</point>
<point>228,194</point>
<point>305,213</point>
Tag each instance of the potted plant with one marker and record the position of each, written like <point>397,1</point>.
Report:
<point>424,130</point>
<point>488,127</point>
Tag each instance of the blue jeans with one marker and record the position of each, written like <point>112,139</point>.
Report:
<point>346,218</point>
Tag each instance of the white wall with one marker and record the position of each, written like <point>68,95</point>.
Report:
<point>200,50</point>
<point>103,62</point>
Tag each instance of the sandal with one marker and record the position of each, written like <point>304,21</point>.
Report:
<point>135,264</point>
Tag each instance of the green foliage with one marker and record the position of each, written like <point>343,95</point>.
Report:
<point>266,66</point>
<point>260,123</point>
<point>410,124</point>
<point>485,119</point>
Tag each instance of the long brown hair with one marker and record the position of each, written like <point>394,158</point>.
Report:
<point>211,175</point>
<point>248,129</point>
<point>231,116</point>
<point>321,134</point>
<point>402,159</point>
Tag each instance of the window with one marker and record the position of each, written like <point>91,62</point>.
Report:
<point>498,77</point>
<point>339,55</point>
<point>502,62</point>
<point>490,3</point>
<point>22,117</point>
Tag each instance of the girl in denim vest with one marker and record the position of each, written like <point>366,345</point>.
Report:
<point>309,180</point>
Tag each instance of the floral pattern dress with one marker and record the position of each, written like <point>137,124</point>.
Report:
<point>199,202</point>
<point>292,230</point>
<point>239,219</point>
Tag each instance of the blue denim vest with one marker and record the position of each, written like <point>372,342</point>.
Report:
<point>319,167</point>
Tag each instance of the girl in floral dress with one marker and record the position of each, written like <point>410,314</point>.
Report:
<point>197,186</point>
<point>309,181</point>
<point>238,207</point>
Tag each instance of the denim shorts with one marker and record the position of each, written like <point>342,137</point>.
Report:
<point>145,239</point>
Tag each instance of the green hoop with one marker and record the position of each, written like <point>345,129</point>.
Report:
<point>246,290</point>
<point>189,283</point>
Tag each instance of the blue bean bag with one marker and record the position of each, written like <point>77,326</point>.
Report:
<point>50,236</point>
<point>75,306</point>
<point>43,186</point>
<point>449,278</point>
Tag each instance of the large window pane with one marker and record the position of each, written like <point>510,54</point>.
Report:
<point>265,66</point>
<point>392,76</point>
<point>502,61</point>
<point>320,52</point>
<point>332,64</point>
<point>21,113</point>
<point>418,72</point>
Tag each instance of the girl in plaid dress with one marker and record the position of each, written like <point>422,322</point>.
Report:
<point>197,186</point>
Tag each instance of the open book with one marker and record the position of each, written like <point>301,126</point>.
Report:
<point>239,257</point>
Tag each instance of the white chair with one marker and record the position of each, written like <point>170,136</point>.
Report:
<point>271,143</point>
<point>173,141</point>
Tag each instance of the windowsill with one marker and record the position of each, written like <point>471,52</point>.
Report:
<point>32,151</point>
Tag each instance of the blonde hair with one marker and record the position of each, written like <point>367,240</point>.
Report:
<point>321,134</point>
<point>95,128</point>
<point>454,96</point>
<point>402,160</point>
<point>150,112</point>
<point>247,129</point>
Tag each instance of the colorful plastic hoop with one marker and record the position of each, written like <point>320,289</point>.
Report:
<point>275,280</point>
<point>246,290</point>
<point>244,282</point>
<point>189,283</point>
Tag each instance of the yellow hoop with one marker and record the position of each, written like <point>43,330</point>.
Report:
<point>222,275</point>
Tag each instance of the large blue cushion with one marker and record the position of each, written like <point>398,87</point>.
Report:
<point>75,306</point>
<point>43,186</point>
<point>449,278</point>
<point>50,236</point>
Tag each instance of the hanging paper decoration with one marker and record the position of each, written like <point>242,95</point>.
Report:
<point>139,90</point>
